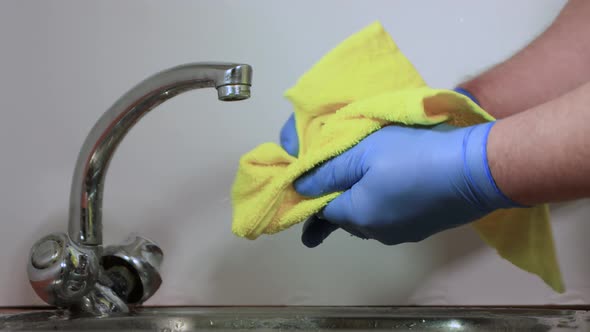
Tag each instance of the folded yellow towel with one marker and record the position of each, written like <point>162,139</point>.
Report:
<point>357,88</point>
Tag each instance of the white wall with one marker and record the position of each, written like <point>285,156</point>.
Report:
<point>63,63</point>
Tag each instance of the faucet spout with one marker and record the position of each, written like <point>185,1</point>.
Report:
<point>232,82</point>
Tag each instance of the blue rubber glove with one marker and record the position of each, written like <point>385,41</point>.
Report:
<point>289,139</point>
<point>402,184</point>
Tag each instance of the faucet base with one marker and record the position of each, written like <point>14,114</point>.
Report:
<point>90,280</point>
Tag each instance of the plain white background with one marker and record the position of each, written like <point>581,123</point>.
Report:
<point>63,63</point>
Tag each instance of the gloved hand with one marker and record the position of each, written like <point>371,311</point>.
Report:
<point>401,184</point>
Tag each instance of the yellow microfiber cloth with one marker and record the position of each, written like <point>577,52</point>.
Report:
<point>360,86</point>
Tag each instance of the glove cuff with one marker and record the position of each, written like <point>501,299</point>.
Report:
<point>477,170</point>
<point>467,94</point>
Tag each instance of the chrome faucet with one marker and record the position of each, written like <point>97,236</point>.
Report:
<point>75,271</point>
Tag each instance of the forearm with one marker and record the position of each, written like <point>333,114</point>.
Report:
<point>555,62</point>
<point>543,155</point>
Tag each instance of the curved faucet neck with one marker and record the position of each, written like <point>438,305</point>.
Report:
<point>85,215</point>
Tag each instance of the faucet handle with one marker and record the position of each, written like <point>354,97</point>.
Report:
<point>133,268</point>
<point>60,271</point>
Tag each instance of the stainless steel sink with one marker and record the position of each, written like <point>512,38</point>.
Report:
<point>176,319</point>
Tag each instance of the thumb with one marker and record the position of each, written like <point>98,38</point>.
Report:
<point>337,174</point>
<point>315,231</point>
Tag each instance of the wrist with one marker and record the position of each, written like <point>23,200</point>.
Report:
<point>477,172</point>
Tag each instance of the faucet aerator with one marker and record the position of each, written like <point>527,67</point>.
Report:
<point>233,92</point>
